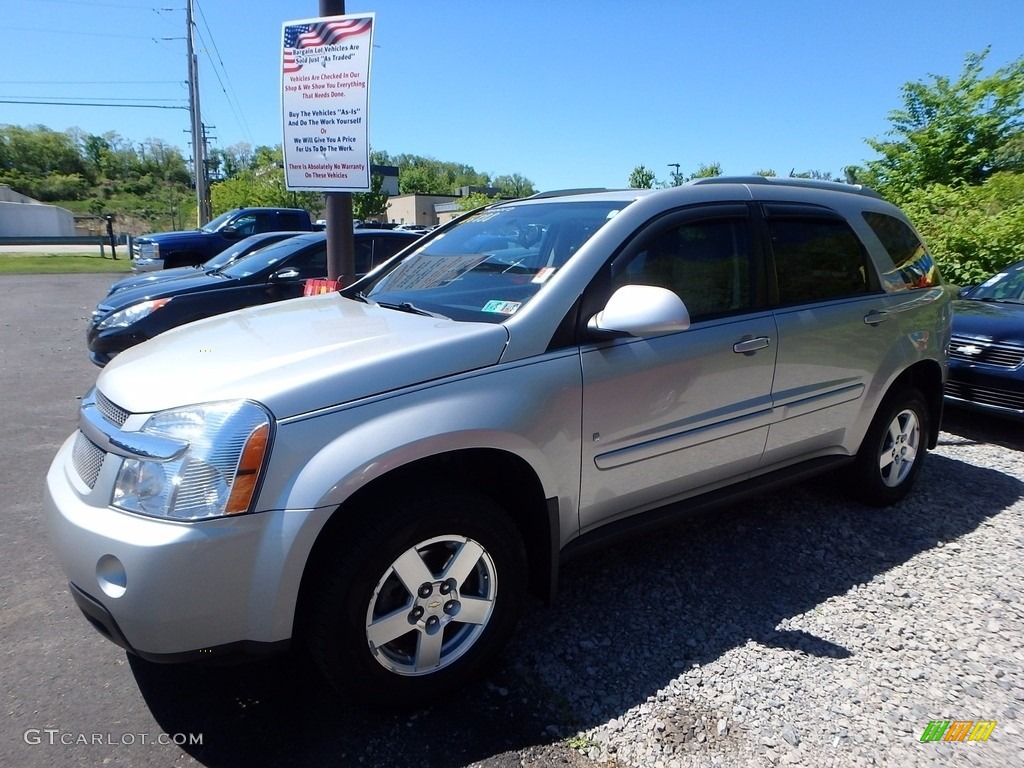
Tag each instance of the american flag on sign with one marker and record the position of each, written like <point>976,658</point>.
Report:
<point>298,36</point>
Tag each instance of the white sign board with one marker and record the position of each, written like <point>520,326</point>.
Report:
<point>325,78</point>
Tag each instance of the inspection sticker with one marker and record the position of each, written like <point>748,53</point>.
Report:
<point>542,275</point>
<point>502,307</point>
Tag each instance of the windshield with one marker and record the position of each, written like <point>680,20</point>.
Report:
<point>493,262</point>
<point>269,257</point>
<point>1007,285</point>
<point>217,223</point>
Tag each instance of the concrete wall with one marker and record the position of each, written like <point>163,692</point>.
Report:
<point>21,216</point>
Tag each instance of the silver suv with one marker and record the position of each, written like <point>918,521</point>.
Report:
<point>388,472</point>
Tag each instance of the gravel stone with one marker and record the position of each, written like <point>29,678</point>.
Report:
<point>801,628</point>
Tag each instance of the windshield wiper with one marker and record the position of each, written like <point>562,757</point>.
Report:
<point>365,299</point>
<point>412,309</point>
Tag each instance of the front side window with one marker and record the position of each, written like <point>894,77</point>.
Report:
<point>706,264</point>
<point>245,225</point>
<point>493,262</point>
<point>915,267</point>
<point>817,259</point>
<point>270,257</point>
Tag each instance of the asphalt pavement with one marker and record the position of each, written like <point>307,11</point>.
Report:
<point>73,698</point>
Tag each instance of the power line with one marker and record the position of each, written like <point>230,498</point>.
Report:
<point>91,82</point>
<point>100,98</point>
<point>239,114</point>
<point>96,5</point>
<point>48,31</point>
<point>89,104</point>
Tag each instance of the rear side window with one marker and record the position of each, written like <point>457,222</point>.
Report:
<point>817,259</point>
<point>289,220</point>
<point>915,267</point>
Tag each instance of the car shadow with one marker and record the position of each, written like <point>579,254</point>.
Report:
<point>979,427</point>
<point>607,645</point>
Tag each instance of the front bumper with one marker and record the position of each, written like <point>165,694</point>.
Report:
<point>174,591</point>
<point>147,265</point>
<point>988,389</point>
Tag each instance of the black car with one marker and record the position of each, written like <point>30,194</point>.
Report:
<point>276,272</point>
<point>986,353</point>
<point>233,252</point>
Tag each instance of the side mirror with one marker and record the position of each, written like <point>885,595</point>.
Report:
<point>640,310</point>
<point>288,273</point>
<point>962,293</point>
<point>230,233</point>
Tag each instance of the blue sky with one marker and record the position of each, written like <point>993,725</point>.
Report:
<point>568,94</point>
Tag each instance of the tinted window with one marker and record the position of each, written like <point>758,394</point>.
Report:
<point>817,259</point>
<point>915,267</point>
<point>270,257</point>
<point>287,220</point>
<point>706,264</point>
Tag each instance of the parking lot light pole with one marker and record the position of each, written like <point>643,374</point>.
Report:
<point>341,249</point>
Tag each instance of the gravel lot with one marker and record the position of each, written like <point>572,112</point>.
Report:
<point>795,629</point>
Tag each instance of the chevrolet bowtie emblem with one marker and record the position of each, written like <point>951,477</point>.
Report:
<point>969,349</point>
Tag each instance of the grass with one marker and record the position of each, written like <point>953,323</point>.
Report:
<point>60,263</point>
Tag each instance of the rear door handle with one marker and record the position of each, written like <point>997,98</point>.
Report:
<point>748,346</point>
<point>874,317</point>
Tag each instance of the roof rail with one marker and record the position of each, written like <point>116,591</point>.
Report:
<point>790,181</point>
<point>563,192</point>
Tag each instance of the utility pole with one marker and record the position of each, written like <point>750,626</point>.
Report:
<point>341,249</point>
<point>198,156</point>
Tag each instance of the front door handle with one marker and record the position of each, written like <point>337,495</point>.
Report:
<point>874,317</point>
<point>749,346</point>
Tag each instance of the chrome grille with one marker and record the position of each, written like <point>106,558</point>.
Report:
<point>989,396</point>
<point>87,458</point>
<point>115,414</point>
<point>985,352</point>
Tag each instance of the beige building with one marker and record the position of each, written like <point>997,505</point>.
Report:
<point>416,209</point>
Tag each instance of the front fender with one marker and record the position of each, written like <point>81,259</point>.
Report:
<point>529,409</point>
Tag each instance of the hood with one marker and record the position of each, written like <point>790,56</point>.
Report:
<point>297,356</point>
<point>192,281</point>
<point>151,278</point>
<point>989,320</point>
<point>167,239</point>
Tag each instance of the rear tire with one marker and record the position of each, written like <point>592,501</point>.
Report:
<point>893,450</point>
<point>410,607</point>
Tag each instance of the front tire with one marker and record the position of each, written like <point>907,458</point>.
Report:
<point>893,450</point>
<point>413,606</point>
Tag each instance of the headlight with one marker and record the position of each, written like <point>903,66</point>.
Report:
<point>227,446</point>
<point>132,315</point>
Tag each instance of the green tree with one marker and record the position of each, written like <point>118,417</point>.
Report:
<point>706,171</point>
<point>641,177</point>
<point>261,185</point>
<point>952,132</point>
<point>372,205</point>
<point>973,231</point>
<point>474,200</point>
<point>514,185</point>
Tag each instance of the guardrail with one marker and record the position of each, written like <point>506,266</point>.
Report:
<point>94,240</point>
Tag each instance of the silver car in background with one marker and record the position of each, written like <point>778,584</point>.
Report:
<point>386,473</point>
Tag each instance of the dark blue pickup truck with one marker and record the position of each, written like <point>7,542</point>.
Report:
<point>166,250</point>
